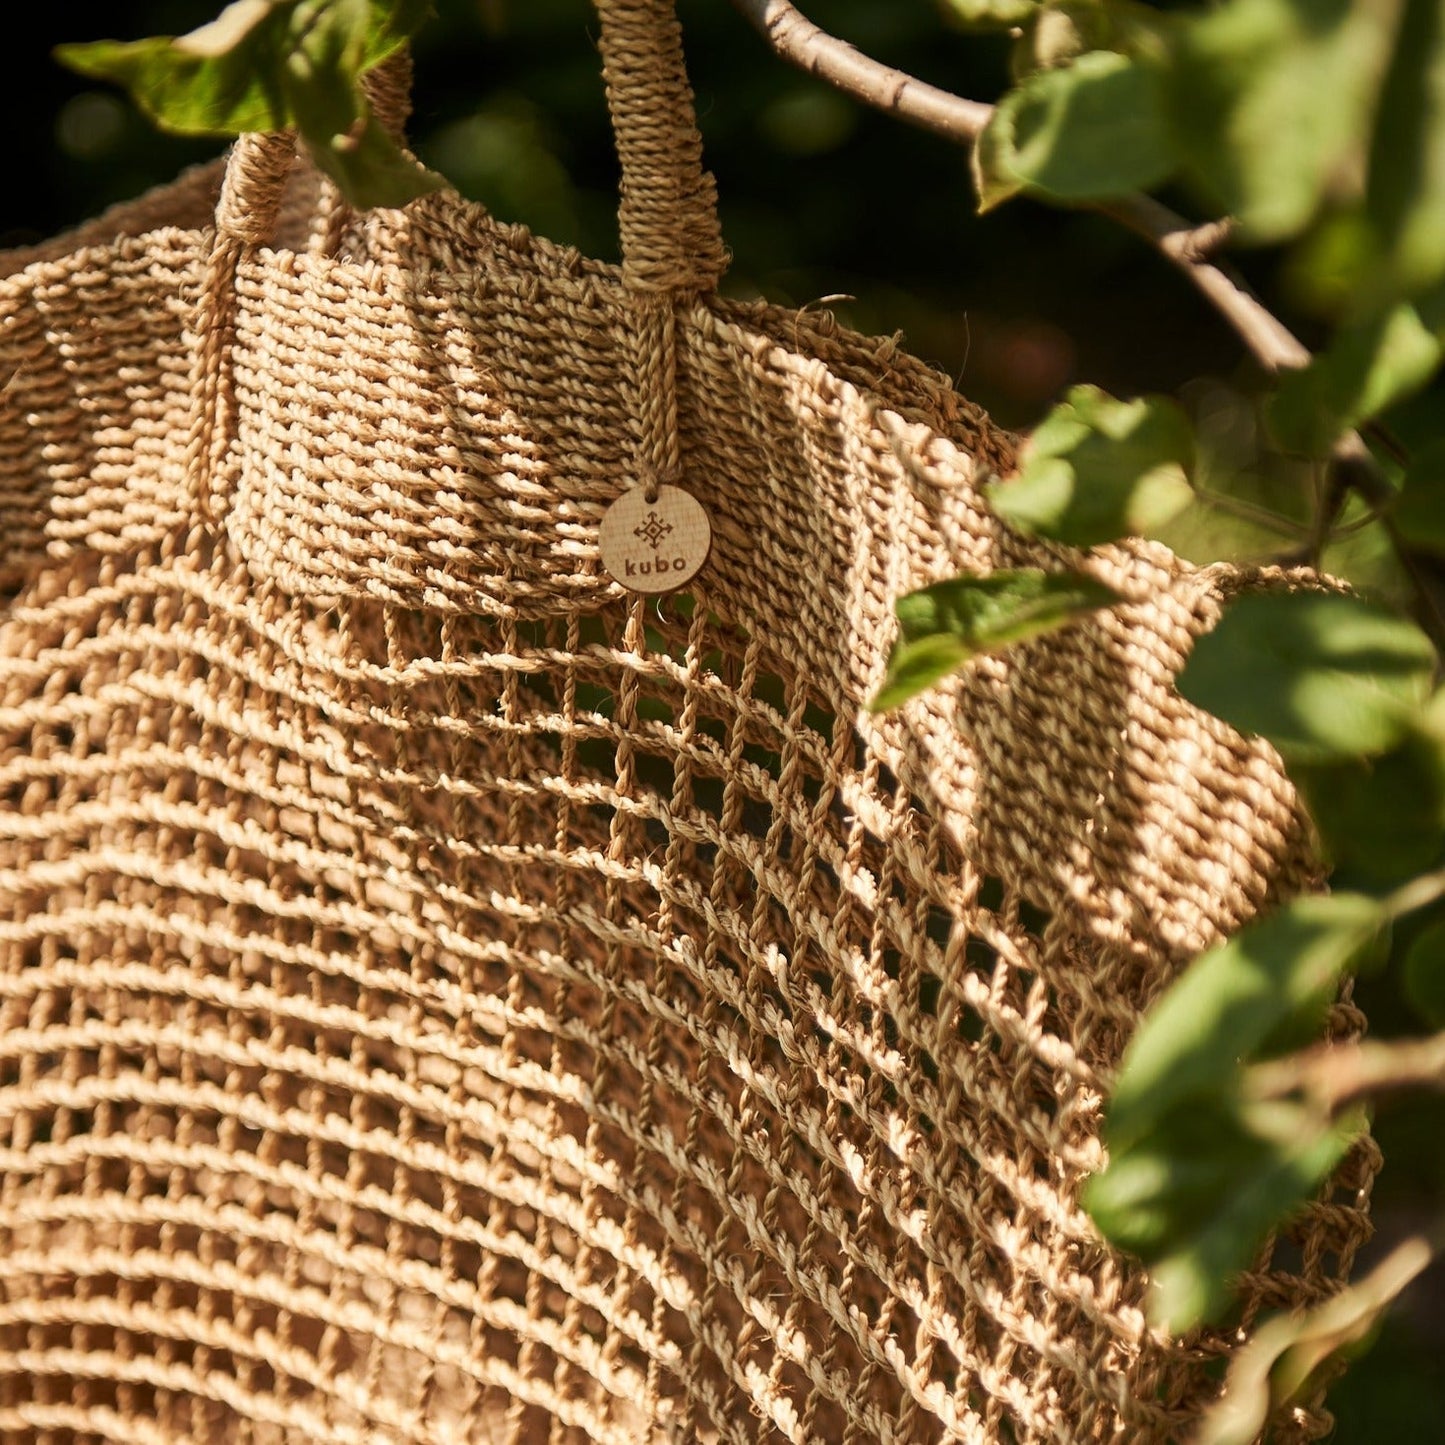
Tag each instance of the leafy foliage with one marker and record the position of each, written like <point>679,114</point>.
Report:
<point>1420,513</point>
<point>270,65</point>
<point>946,625</point>
<point>1369,368</point>
<point>1320,675</point>
<point>1317,127</point>
<point>1098,469</point>
<point>1087,130</point>
<point>1202,1168</point>
<point>1270,100</point>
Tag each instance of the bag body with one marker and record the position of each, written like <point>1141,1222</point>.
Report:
<point>444,996</point>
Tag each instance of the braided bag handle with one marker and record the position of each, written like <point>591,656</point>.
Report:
<point>670,235</point>
<point>668,220</point>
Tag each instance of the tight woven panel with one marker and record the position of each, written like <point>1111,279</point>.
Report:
<point>443,998</point>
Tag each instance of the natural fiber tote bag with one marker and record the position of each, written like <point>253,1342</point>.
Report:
<point>449,995</point>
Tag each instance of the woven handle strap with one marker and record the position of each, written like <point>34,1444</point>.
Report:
<point>668,220</point>
<point>668,217</point>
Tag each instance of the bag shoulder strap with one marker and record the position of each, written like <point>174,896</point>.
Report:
<point>667,218</point>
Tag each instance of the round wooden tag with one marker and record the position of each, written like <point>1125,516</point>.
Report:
<point>658,545</point>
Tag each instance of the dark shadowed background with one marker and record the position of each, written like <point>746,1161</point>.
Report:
<point>820,199</point>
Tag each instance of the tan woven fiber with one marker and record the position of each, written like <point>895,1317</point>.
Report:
<point>448,999</point>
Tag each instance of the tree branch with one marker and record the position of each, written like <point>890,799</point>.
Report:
<point>1337,1075</point>
<point>795,38</point>
<point>801,43</point>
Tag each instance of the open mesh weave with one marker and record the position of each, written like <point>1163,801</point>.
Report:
<point>446,998</point>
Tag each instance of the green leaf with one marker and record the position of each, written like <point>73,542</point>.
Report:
<point>390,24</point>
<point>1424,973</point>
<point>1192,1282</point>
<point>1270,102</point>
<point>1367,369</point>
<point>1322,676</point>
<point>1405,193</point>
<point>181,91</point>
<point>1382,819</point>
<point>1097,469</point>
<point>1059,33</point>
<point>229,29</point>
<point>1201,1165</point>
<point>1419,515</point>
<point>916,666</point>
<point>943,626</point>
<point>1274,976</point>
<point>269,65</point>
<point>326,46</point>
<point>1195,1196</point>
<point>1004,607</point>
<point>1082,132</point>
<point>1251,502</point>
<point>372,170</point>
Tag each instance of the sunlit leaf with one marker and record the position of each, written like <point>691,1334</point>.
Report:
<point>943,626</point>
<point>183,91</point>
<point>268,65</point>
<point>1382,818</point>
<point>1367,369</point>
<point>1196,1195</point>
<point>1233,1000</point>
<point>1081,132</point>
<point>1251,501</point>
<point>1327,269</point>
<point>326,45</point>
<point>1191,1283</point>
<point>1097,469</point>
<point>992,13</point>
<point>1363,554</point>
<point>1201,1168</point>
<point>915,666</point>
<point>228,29</point>
<point>1270,102</point>
<point>371,169</point>
<point>1001,608</point>
<point>1057,35</point>
<point>1322,676</point>
<point>1167,1181</point>
<point>391,24</point>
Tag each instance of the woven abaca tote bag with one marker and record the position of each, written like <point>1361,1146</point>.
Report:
<point>447,996</point>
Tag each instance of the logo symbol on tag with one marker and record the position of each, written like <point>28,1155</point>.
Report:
<point>654,544</point>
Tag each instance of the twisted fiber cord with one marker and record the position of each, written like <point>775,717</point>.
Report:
<point>247,210</point>
<point>659,450</point>
<point>668,220</point>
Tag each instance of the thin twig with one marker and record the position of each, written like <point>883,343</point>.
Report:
<point>797,40</point>
<point>1338,1075</point>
